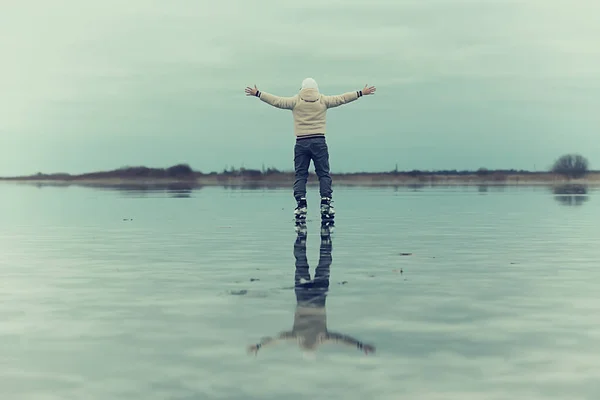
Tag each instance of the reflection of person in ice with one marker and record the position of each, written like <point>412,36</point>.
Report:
<point>310,320</point>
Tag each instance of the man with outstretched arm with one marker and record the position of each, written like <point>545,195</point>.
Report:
<point>309,108</point>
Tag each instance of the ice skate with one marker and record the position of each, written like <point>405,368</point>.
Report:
<point>327,210</point>
<point>300,210</point>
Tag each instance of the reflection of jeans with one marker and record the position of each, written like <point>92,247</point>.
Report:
<point>312,292</point>
<point>314,149</point>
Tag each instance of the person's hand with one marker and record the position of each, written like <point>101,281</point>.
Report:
<point>368,90</point>
<point>252,349</point>
<point>251,91</point>
<point>367,348</point>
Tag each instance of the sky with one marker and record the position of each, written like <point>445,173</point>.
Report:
<point>461,84</point>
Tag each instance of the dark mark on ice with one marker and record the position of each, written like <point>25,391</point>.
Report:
<point>342,283</point>
<point>254,279</point>
<point>247,293</point>
<point>406,254</point>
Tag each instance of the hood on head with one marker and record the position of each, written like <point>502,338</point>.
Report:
<point>310,90</point>
<point>309,83</point>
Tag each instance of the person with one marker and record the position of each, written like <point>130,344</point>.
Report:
<point>310,318</point>
<point>309,108</point>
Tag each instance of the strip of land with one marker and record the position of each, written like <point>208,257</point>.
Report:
<point>184,176</point>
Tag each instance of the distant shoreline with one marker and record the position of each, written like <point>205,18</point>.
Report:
<point>183,176</point>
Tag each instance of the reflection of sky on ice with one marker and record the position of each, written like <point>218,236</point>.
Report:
<point>498,299</point>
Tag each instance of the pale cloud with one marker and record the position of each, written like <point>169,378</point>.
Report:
<point>110,69</point>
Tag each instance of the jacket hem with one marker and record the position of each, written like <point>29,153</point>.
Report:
<point>309,136</point>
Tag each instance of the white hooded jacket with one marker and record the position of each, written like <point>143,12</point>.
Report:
<point>309,107</point>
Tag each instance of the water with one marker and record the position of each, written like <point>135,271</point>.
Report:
<point>109,294</point>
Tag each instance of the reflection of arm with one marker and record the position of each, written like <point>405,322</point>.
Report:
<point>266,341</point>
<point>334,337</point>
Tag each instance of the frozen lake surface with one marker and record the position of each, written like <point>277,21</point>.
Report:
<point>113,294</point>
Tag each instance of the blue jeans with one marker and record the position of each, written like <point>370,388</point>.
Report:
<point>314,149</point>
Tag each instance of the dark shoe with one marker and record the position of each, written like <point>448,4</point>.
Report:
<point>300,211</point>
<point>327,210</point>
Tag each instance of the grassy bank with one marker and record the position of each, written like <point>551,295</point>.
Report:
<point>182,175</point>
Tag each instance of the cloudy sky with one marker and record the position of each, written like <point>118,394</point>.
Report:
<point>100,84</point>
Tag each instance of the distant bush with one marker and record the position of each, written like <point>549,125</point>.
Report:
<point>250,173</point>
<point>180,170</point>
<point>270,171</point>
<point>571,166</point>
